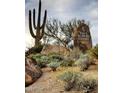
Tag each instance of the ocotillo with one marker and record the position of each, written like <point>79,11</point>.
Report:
<point>39,28</point>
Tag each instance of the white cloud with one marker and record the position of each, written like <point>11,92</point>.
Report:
<point>93,14</point>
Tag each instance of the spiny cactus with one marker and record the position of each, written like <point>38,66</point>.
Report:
<point>39,28</point>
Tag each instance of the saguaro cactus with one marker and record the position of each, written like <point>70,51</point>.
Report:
<point>39,28</point>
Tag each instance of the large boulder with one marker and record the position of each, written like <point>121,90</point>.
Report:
<point>28,79</point>
<point>32,71</point>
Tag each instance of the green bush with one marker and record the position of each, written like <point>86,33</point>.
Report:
<point>67,62</point>
<point>76,81</point>
<point>56,56</point>
<point>54,65</point>
<point>41,60</point>
<point>44,60</point>
<point>35,56</point>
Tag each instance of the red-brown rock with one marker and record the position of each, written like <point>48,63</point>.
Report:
<point>32,71</point>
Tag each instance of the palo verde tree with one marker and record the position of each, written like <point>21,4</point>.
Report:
<point>39,28</point>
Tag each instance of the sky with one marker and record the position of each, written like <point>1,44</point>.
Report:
<point>65,10</point>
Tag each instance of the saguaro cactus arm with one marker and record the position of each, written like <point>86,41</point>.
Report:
<point>44,20</point>
<point>30,25</point>
<point>39,14</point>
<point>43,25</point>
<point>34,19</point>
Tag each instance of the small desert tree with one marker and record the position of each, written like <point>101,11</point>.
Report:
<point>68,30</point>
<point>54,31</point>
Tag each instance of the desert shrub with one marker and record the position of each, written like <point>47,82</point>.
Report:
<point>88,84</point>
<point>44,60</point>
<point>75,54</point>
<point>54,65</point>
<point>34,50</point>
<point>83,62</point>
<point>35,56</point>
<point>64,61</point>
<point>41,60</point>
<point>67,62</point>
<point>77,81</point>
<point>93,52</point>
<point>56,56</point>
<point>69,78</point>
<point>38,49</point>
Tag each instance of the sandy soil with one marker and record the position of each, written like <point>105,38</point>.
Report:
<point>48,83</point>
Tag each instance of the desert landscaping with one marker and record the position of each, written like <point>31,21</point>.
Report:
<point>63,58</point>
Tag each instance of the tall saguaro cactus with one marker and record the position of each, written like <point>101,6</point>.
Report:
<point>39,28</point>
